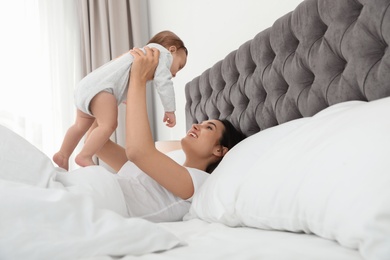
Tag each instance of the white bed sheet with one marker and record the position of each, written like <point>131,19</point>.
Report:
<point>217,241</point>
<point>49,215</point>
<point>46,214</point>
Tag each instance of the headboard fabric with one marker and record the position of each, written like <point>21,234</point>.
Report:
<point>322,53</point>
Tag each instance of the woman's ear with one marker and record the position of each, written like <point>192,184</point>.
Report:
<point>220,151</point>
<point>172,49</point>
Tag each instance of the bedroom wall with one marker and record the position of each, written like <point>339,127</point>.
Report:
<point>210,30</point>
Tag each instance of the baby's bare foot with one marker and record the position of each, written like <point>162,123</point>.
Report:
<point>84,161</point>
<point>61,160</point>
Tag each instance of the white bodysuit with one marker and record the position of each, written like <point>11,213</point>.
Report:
<point>147,199</point>
<point>113,77</point>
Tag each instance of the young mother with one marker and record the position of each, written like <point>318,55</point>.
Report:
<point>155,186</point>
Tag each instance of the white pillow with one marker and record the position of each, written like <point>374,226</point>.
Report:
<point>215,200</point>
<point>328,175</point>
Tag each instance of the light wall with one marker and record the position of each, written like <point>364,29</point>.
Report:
<point>210,29</point>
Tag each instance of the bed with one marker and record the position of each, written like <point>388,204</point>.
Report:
<point>312,93</point>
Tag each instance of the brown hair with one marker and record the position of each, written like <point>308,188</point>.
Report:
<point>230,137</point>
<point>167,39</point>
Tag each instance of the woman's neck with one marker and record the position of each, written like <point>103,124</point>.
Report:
<point>196,163</point>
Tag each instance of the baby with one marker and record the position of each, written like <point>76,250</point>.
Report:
<point>98,95</point>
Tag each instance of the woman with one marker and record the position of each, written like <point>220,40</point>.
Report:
<point>155,186</point>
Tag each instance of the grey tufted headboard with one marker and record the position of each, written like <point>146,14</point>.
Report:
<point>322,53</point>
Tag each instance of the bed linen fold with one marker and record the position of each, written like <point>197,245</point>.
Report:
<point>48,214</point>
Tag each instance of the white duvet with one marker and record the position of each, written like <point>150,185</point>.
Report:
<point>46,214</point>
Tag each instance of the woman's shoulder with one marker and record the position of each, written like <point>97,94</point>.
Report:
<point>197,175</point>
<point>196,171</point>
<point>198,178</point>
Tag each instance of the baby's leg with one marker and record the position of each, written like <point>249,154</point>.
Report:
<point>72,138</point>
<point>104,107</point>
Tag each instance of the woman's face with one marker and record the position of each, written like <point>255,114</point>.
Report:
<point>204,137</point>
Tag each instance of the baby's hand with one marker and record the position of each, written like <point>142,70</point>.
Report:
<point>169,119</point>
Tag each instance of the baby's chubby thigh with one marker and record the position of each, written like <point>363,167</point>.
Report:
<point>104,107</point>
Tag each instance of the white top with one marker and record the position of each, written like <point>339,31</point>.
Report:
<point>145,198</point>
<point>113,77</point>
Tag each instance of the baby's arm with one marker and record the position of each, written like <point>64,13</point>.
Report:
<point>170,119</point>
<point>164,86</point>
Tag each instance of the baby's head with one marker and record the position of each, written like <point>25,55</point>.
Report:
<point>176,47</point>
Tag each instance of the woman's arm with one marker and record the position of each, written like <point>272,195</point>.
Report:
<point>140,147</point>
<point>111,153</point>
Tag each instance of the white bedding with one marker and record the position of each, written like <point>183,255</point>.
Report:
<point>341,178</point>
<point>217,241</point>
<point>326,175</point>
<point>47,214</point>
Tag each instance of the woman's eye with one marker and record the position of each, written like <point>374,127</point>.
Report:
<point>210,128</point>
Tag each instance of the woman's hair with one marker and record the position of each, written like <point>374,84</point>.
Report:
<point>230,137</point>
<point>167,39</point>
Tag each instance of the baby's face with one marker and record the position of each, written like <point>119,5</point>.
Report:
<point>179,61</point>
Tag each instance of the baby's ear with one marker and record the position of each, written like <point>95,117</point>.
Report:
<point>172,49</point>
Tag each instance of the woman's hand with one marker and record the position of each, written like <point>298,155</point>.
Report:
<point>144,64</point>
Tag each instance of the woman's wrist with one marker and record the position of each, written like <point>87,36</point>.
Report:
<point>137,81</point>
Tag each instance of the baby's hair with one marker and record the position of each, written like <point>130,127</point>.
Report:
<point>167,39</point>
